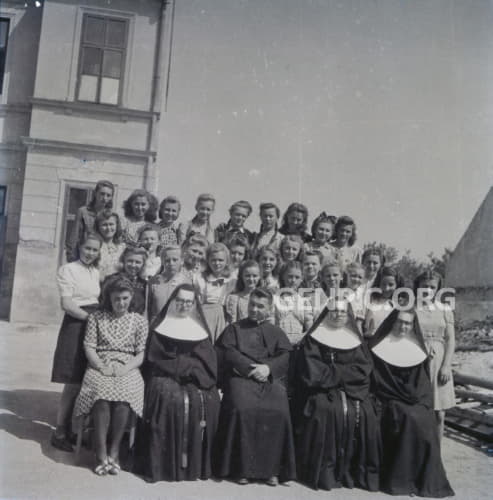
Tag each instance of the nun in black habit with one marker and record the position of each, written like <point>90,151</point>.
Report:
<point>337,430</point>
<point>412,463</point>
<point>181,405</point>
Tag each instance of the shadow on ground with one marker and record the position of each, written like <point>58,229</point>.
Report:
<point>31,415</point>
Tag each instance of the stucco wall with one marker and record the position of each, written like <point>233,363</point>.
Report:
<point>18,85</point>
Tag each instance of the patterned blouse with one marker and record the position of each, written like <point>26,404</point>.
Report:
<point>130,230</point>
<point>191,227</point>
<point>346,255</point>
<point>327,250</point>
<point>116,338</point>
<point>110,259</point>
<point>237,306</point>
<point>170,235</point>
<point>294,315</point>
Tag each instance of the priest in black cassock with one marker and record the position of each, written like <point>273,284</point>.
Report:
<point>254,439</point>
<point>412,463</point>
<point>337,430</point>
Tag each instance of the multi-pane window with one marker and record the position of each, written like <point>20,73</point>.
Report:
<point>102,59</point>
<point>4,38</point>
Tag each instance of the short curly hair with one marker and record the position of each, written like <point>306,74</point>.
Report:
<point>105,215</point>
<point>345,220</point>
<point>151,214</point>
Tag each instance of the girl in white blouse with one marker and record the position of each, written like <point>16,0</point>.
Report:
<point>78,283</point>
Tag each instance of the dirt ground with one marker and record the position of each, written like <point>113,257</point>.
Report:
<point>31,469</point>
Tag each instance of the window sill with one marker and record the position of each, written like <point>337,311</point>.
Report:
<point>89,108</point>
<point>34,144</point>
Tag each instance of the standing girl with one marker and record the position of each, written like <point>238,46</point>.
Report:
<point>295,221</point>
<point>107,225</point>
<point>356,290</point>
<point>292,313</point>
<point>78,283</point>
<point>291,248</point>
<point>322,233</point>
<point>437,324</point>
<point>238,214</point>
<point>201,223</point>
<point>345,237</point>
<point>163,285</point>
<point>239,251</point>
<point>331,277</point>
<point>373,260</point>
<point>213,286</point>
<point>269,266</point>
<point>169,211</point>
<point>133,261</point>
<point>268,234</point>
<point>149,240</point>
<point>102,197</point>
<point>194,256</point>
<point>139,209</point>
<point>381,301</point>
<point>237,303</point>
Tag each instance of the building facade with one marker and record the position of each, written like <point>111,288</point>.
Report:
<point>81,101</point>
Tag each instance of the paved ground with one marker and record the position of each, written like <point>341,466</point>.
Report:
<point>31,469</point>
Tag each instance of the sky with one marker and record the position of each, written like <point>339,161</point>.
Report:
<point>381,110</point>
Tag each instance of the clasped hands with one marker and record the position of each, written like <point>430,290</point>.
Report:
<point>113,370</point>
<point>258,372</point>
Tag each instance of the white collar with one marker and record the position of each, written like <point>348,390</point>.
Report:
<point>339,338</point>
<point>181,328</point>
<point>400,351</point>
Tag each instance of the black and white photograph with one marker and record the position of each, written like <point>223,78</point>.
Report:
<point>246,249</point>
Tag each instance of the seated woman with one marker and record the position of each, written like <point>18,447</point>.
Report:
<point>112,386</point>
<point>337,429</point>
<point>175,438</point>
<point>412,463</point>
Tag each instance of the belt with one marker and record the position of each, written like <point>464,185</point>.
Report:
<point>203,422</point>
<point>186,423</point>
<point>344,435</point>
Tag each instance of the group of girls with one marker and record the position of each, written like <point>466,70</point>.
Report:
<point>122,271</point>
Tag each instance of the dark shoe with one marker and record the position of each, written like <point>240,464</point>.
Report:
<point>272,481</point>
<point>72,437</point>
<point>61,443</point>
<point>242,481</point>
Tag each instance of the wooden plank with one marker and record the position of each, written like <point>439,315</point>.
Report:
<point>473,415</point>
<point>461,378</point>
<point>476,396</point>
<point>479,431</point>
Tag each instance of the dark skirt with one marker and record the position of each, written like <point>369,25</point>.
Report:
<point>338,443</point>
<point>176,434</point>
<point>69,362</point>
<point>412,463</point>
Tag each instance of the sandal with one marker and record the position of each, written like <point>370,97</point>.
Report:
<point>113,466</point>
<point>61,443</point>
<point>101,469</point>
